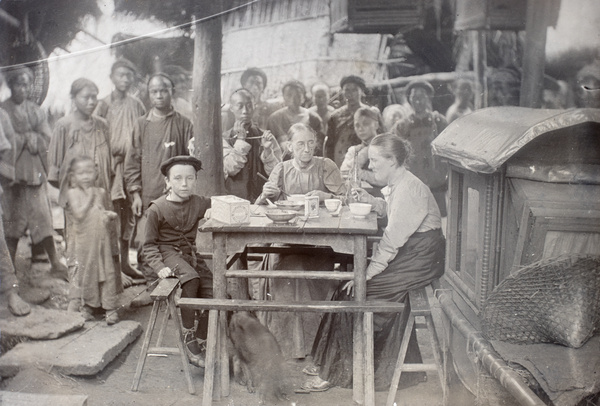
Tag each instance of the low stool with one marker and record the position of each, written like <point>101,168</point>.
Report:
<point>419,306</point>
<point>164,293</point>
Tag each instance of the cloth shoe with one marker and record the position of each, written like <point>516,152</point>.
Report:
<point>112,317</point>
<point>316,384</point>
<point>87,313</point>
<point>194,350</point>
<point>311,370</point>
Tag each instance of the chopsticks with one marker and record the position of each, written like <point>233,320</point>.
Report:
<point>263,177</point>
<point>258,137</point>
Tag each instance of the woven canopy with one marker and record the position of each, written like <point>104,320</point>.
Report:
<point>485,139</point>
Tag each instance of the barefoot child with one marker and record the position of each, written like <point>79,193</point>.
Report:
<point>170,245</point>
<point>94,280</point>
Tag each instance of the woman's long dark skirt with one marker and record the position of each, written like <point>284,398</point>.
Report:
<point>418,263</point>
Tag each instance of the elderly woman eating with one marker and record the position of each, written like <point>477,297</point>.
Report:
<point>312,176</point>
<point>409,256</point>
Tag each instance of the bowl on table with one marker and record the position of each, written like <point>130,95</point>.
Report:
<point>280,215</point>
<point>360,210</point>
<point>332,204</point>
<point>289,205</point>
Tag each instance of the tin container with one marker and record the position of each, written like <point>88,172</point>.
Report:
<point>311,206</point>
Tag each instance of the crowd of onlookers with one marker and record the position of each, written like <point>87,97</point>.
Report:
<point>106,158</point>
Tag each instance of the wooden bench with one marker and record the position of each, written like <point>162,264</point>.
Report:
<point>163,293</point>
<point>216,305</point>
<point>419,307</point>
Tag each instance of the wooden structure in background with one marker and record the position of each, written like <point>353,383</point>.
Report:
<point>490,15</point>
<point>376,16</point>
<point>534,16</point>
<point>292,39</point>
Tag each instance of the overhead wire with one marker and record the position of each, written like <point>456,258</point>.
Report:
<point>132,39</point>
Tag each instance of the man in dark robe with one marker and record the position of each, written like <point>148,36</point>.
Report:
<point>122,110</point>
<point>247,150</point>
<point>340,129</point>
<point>159,135</point>
<point>280,121</point>
<point>420,128</point>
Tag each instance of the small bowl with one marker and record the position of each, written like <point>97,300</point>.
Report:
<point>332,204</point>
<point>280,216</point>
<point>359,210</point>
<point>289,205</point>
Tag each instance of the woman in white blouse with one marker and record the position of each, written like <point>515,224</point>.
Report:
<point>309,175</point>
<point>409,256</point>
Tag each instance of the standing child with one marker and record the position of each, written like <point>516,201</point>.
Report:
<point>463,93</point>
<point>94,280</point>
<point>170,245</point>
<point>366,124</point>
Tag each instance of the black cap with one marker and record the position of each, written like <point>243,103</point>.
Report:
<point>254,72</point>
<point>423,84</point>
<point>354,79</point>
<point>180,160</point>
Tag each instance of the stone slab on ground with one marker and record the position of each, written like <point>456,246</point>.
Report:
<point>40,324</point>
<point>85,352</point>
<point>39,399</point>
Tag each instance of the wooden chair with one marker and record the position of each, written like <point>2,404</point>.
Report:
<point>419,306</point>
<point>164,293</point>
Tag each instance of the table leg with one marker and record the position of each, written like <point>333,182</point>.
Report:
<point>211,362</point>
<point>298,327</point>
<point>369,358</point>
<point>360,294</point>
<point>221,386</point>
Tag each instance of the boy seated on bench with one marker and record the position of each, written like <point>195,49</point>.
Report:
<point>170,246</point>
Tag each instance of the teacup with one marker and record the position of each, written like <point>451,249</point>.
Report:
<point>332,204</point>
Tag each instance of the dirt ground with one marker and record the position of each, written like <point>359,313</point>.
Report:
<point>163,381</point>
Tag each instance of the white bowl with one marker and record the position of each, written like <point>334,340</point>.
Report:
<point>360,209</point>
<point>332,204</point>
<point>280,216</point>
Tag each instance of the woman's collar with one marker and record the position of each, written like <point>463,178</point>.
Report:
<point>397,176</point>
<point>298,167</point>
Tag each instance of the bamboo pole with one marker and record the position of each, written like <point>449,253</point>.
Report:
<point>434,76</point>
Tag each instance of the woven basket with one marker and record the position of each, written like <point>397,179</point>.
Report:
<point>551,301</point>
<point>34,56</point>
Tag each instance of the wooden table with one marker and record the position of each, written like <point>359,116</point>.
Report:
<point>344,234</point>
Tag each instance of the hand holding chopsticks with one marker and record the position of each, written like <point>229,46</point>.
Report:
<point>263,177</point>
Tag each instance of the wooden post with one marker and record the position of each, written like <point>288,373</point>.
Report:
<point>477,39</point>
<point>534,57</point>
<point>206,100</point>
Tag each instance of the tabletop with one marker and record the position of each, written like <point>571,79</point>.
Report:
<point>344,223</point>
